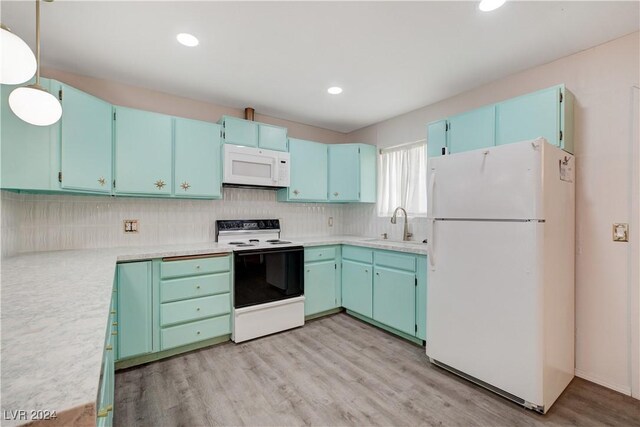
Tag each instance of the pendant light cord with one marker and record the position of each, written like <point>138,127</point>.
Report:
<point>38,42</point>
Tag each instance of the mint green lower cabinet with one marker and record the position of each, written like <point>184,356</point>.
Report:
<point>437,138</point>
<point>421,298</point>
<point>320,287</point>
<point>472,130</point>
<point>357,287</point>
<point>86,142</point>
<point>194,309</point>
<point>105,400</point>
<point>29,154</point>
<point>143,152</point>
<point>394,299</point>
<point>134,309</point>
<point>272,137</point>
<point>197,161</point>
<point>176,336</point>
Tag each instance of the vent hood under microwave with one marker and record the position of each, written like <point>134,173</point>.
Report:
<point>255,167</point>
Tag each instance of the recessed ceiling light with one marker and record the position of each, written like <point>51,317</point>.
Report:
<point>187,39</point>
<point>334,90</point>
<point>489,5</point>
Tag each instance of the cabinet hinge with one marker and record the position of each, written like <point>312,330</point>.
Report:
<point>335,266</point>
<point>114,183</point>
<point>59,176</point>
<point>60,94</point>
<point>358,150</point>
<point>560,96</point>
<point>560,135</point>
<point>447,126</point>
<point>416,327</point>
<point>114,115</point>
<point>416,281</point>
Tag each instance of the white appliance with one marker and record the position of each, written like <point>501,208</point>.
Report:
<point>500,291</point>
<point>256,167</point>
<point>268,279</point>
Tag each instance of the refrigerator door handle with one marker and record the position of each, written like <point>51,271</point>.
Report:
<point>432,186</point>
<point>430,243</point>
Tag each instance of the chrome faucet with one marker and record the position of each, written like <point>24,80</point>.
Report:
<point>405,233</point>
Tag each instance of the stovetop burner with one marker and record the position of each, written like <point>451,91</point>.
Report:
<point>236,243</point>
<point>244,245</point>
<point>279,242</point>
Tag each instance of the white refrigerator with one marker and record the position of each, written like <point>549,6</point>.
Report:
<point>500,292</point>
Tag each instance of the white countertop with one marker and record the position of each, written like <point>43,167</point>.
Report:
<point>54,313</point>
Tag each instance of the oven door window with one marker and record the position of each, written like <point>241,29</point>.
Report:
<point>267,276</point>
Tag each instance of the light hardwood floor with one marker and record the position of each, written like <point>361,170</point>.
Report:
<point>336,371</point>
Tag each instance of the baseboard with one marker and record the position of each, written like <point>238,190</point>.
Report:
<point>323,313</point>
<point>389,329</point>
<point>594,379</point>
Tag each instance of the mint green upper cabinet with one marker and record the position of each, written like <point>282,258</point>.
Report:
<point>394,293</point>
<point>357,285</point>
<point>29,153</point>
<point>85,134</point>
<point>134,309</point>
<point>436,138</point>
<point>309,168</point>
<point>368,173</point>
<point>472,130</point>
<point>240,132</point>
<point>542,113</point>
<point>344,172</point>
<point>272,137</point>
<point>320,287</point>
<point>143,152</point>
<point>197,159</point>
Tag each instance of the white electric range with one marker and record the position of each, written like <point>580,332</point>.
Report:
<point>268,278</point>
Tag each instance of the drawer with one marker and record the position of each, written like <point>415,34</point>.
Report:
<point>193,287</point>
<point>356,253</point>
<point>188,333</point>
<point>325,253</point>
<point>190,267</point>
<point>194,309</point>
<point>396,260</point>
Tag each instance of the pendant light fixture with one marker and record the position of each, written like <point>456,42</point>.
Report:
<point>33,103</point>
<point>18,62</point>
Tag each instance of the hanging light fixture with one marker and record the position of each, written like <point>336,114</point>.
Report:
<point>18,62</point>
<point>33,103</point>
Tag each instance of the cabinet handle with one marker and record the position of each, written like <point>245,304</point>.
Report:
<point>115,323</point>
<point>336,194</point>
<point>105,411</point>
<point>109,347</point>
<point>102,181</point>
<point>296,192</point>
<point>197,267</point>
<point>308,271</point>
<point>198,333</point>
<point>160,184</point>
<point>114,333</point>
<point>377,274</point>
<point>185,186</point>
<point>197,286</point>
<point>366,271</point>
<point>198,309</point>
<point>113,312</point>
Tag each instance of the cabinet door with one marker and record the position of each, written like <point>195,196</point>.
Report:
<point>472,130</point>
<point>528,117</point>
<point>272,137</point>
<point>394,299</point>
<point>421,298</point>
<point>134,309</point>
<point>29,153</point>
<point>85,138</point>
<point>198,162</point>
<point>357,287</point>
<point>344,172</point>
<point>436,138</point>
<point>308,170</point>
<point>143,152</point>
<point>240,132</point>
<point>320,287</point>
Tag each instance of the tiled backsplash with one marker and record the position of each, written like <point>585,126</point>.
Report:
<point>36,222</point>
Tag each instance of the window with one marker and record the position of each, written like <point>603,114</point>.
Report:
<point>402,180</point>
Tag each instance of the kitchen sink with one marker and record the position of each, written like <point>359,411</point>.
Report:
<point>396,242</point>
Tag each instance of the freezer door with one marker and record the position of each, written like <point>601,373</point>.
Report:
<point>501,182</point>
<point>484,303</point>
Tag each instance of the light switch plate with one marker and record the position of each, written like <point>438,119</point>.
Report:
<point>620,232</point>
<point>130,225</point>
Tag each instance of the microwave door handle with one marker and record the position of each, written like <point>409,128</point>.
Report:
<point>276,177</point>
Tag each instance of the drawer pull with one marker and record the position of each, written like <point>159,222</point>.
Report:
<point>115,323</point>
<point>197,267</point>
<point>366,271</point>
<point>197,286</point>
<point>105,411</point>
<point>198,333</point>
<point>114,333</point>
<point>113,312</point>
<point>198,309</point>
<point>109,347</point>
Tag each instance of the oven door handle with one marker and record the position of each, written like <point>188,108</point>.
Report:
<point>246,253</point>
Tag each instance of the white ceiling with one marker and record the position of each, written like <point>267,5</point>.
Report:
<point>390,57</point>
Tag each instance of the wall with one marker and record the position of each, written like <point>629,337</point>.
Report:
<point>54,222</point>
<point>601,79</point>
<point>151,100</point>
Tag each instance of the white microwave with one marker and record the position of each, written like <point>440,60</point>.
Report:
<point>255,167</point>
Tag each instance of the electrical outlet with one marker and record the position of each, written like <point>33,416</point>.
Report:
<point>130,225</point>
<point>620,232</point>
<point>330,221</point>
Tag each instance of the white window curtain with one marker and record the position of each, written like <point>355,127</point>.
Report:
<point>402,180</point>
